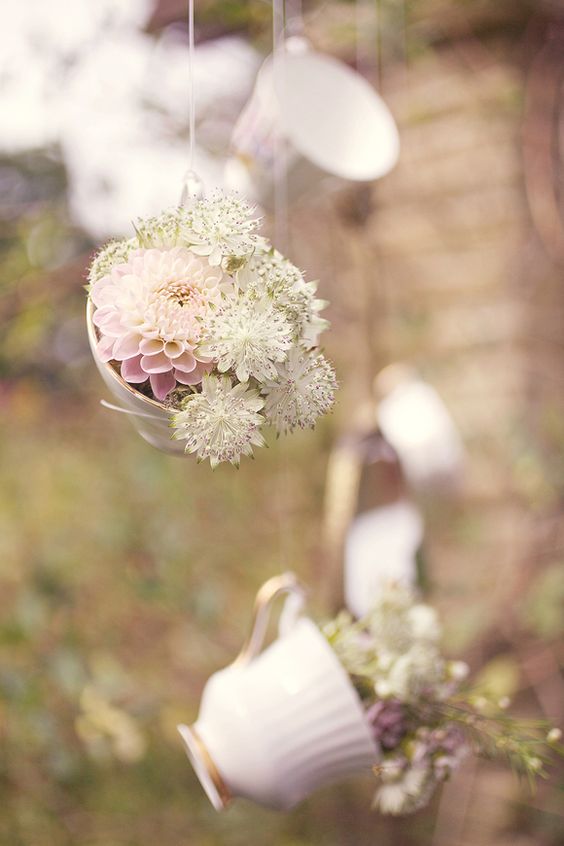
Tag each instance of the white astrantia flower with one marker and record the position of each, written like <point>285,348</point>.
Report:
<point>411,674</point>
<point>163,231</point>
<point>404,793</point>
<point>302,308</point>
<point>220,227</point>
<point>247,337</point>
<point>424,623</point>
<point>397,621</point>
<point>303,390</point>
<point>220,423</point>
<point>388,621</point>
<point>406,633</point>
<point>352,647</point>
<point>114,253</point>
<point>315,325</point>
<point>271,274</point>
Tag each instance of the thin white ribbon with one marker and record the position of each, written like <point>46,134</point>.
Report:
<point>192,186</point>
<point>119,408</point>
<point>280,164</point>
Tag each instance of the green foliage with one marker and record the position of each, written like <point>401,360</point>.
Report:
<point>499,678</point>
<point>543,608</point>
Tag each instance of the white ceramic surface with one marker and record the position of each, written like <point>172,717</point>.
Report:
<point>150,418</point>
<point>380,548</point>
<point>281,725</point>
<point>416,422</point>
<point>330,120</point>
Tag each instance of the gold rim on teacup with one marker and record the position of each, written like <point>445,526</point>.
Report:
<point>205,767</point>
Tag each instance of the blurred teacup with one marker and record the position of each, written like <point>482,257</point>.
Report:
<point>415,421</point>
<point>328,118</point>
<point>380,549</point>
<point>274,726</point>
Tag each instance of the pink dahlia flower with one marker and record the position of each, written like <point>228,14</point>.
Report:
<point>149,313</point>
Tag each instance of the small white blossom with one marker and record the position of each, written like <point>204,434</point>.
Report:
<point>271,274</point>
<point>424,623</point>
<point>315,325</point>
<point>220,423</point>
<point>164,230</point>
<point>458,670</point>
<point>114,253</point>
<point>303,390</point>
<point>220,227</point>
<point>248,337</point>
<point>415,672</point>
<point>268,272</point>
<point>389,623</point>
<point>406,793</point>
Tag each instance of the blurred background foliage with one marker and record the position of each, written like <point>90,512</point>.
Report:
<point>127,577</point>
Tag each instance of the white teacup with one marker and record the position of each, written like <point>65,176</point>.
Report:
<point>275,726</point>
<point>150,417</point>
<point>380,549</point>
<point>328,118</point>
<point>415,421</point>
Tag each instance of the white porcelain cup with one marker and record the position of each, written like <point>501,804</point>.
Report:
<point>150,418</point>
<point>275,726</point>
<point>328,118</point>
<point>380,548</point>
<point>415,421</point>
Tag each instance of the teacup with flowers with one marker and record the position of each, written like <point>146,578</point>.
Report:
<point>204,321</point>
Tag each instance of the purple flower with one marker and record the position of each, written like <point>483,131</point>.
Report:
<point>388,722</point>
<point>442,748</point>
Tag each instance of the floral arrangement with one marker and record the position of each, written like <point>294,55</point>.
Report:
<point>202,314</point>
<point>424,717</point>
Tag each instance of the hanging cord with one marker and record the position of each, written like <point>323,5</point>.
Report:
<point>294,18</point>
<point>192,186</point>
<point>368,39</point>
<point>122,410</point>
<point>280,164</point>
<point>191,98</point>
<point>281,228</point>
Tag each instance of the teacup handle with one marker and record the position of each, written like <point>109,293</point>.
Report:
<point>285,583</point>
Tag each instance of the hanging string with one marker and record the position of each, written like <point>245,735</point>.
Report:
<point>191,99</point>
<point>122,410</point>
<point>359,27</point>
<point>294,17</point>
<point>368,50</point>
<point>281,227</point>
<point>280,166</point>
<point>192,187</point>
<point>378,43</point>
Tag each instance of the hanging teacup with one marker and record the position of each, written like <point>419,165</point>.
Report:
<point>380,549</point>
<point>275,726</point>
<point>329,119</point>
<point>415,421</point>
<point>149,416</point>
<point>170,314</point>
